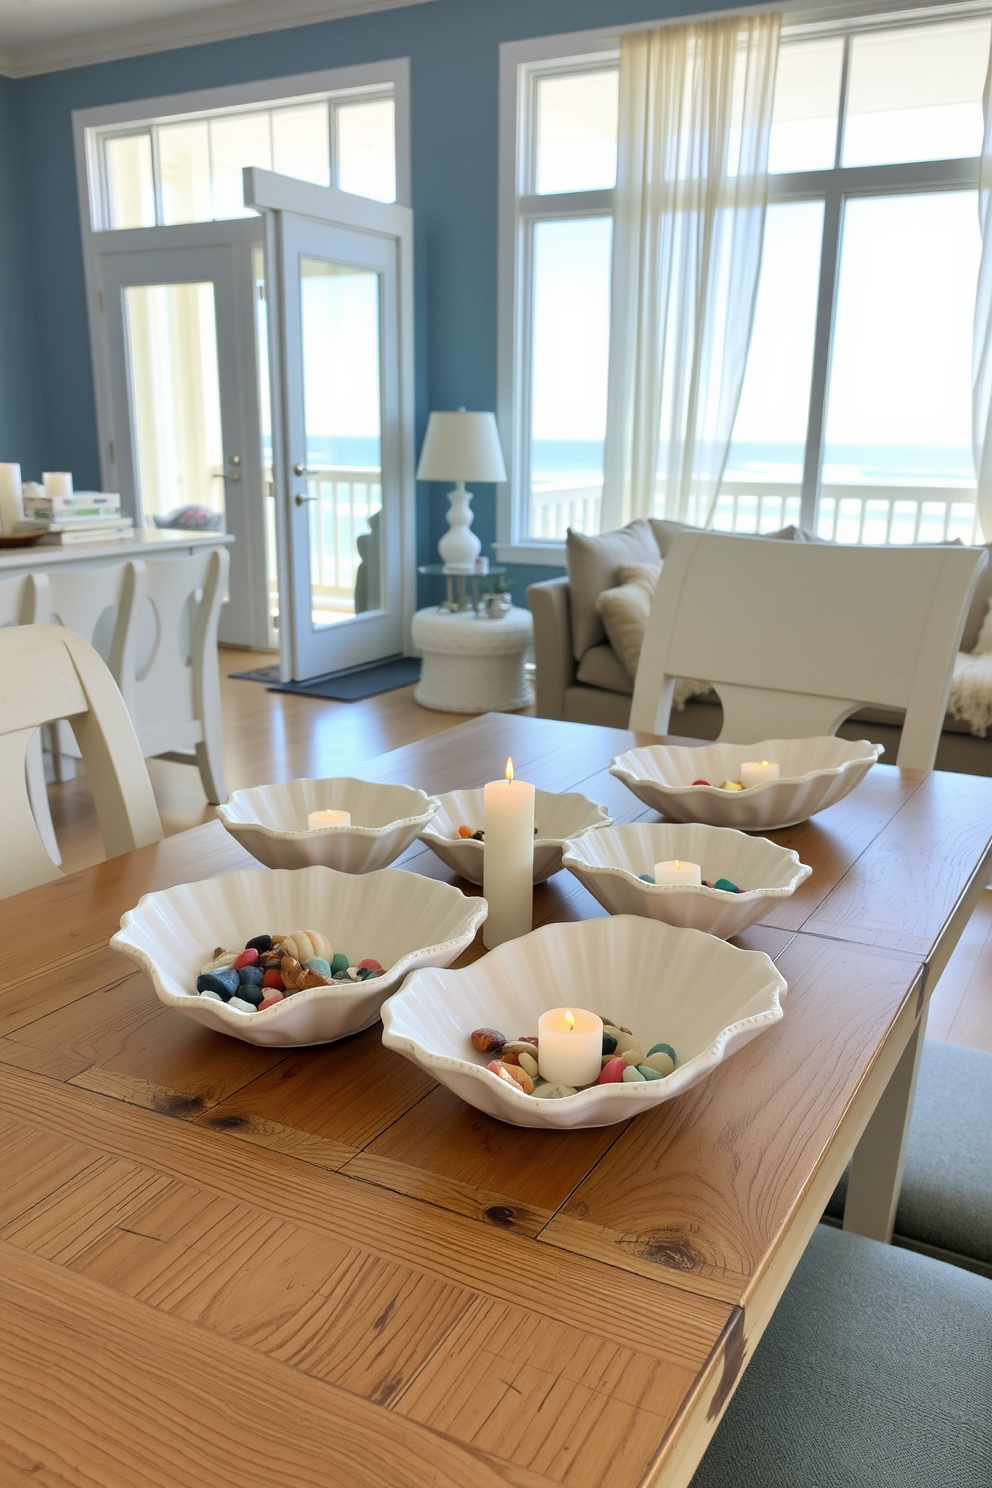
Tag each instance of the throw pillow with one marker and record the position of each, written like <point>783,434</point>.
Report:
<point>592,567</point>
<point>978,613</point>
<point>624,610</point>
<point>664,532</point>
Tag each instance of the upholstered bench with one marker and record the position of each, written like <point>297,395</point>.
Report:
<point>874,1372</point>
<point>945,1206</point>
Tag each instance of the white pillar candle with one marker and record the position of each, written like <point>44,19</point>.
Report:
<point>58,482</point>
<point>756,772</point>
<point>318,819</point>
<point>677,872</point>
<point>11,505</point>
<point>508,861</point>
<point>570,1046</point>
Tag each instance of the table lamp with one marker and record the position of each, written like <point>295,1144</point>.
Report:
<point>461,446</point>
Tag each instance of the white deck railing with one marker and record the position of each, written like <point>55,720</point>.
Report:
<point>848,514</point>
<point>346,499</point>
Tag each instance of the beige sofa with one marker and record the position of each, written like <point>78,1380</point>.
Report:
<point>581,678</point>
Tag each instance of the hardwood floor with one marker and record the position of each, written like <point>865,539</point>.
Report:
<point>276,736</point>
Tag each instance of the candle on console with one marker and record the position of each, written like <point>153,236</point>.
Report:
<point>678,872</point>
<point>58,482</point>
<point>11,505</point>
<point>756,772</point>
<point>508,862</point>
<point>570,1046</point>
<point>329,819</point>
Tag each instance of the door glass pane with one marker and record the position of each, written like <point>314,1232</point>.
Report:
<point>301,144</point>
<point>762,486</point>
<point>235,142</point>
<point>569,362</point>
<point>184,160</point>
<point>916,94</point>
<point>175,398</point>
<point>807,96</point>
<point>366,149</point>
<point>265,431</point>
<point>577,131</point>
<point>342,416</point>
<point>898,428</point>
<point>130,187</point>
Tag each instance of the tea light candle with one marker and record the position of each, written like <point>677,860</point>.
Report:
<point>757,772</point>
<point>508,863</point>
<point>678,872</point>
<point>570,1046</point>
<point>329,819</point>
<point>11,505</point>
<point>58,482</point>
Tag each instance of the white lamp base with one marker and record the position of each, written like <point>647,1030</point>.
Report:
<point>459,547</point>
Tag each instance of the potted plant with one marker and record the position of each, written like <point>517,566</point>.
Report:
<point>499,597</point>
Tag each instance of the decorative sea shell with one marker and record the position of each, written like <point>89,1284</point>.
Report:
<point>302,944</point>
<point>271,822</point>
<point>557,817</point>
<point>700,995</point>
<point>403,920</point>
<point>608,863</point>
<point>815,773</point>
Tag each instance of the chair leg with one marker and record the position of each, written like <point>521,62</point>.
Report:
<point>210,762</point>
<point>34,767</point>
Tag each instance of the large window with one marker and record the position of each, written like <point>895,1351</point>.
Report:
<point>855,412</point>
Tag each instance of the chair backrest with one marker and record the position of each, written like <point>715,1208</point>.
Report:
<point>24,600</point>
<point>49,673</point>
<point>103,605</point>
<point>795,637</point>
<point>177,681</point>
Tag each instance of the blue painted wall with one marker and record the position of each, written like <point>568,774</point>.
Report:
<point>21,421</point>
<point>453,46</point>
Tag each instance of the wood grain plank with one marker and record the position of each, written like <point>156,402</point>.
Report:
<point>100,1390</point>
<point>697,1190</point>
<point>44,990</point>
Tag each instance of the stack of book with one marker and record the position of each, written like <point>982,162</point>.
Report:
<point>79,517</point>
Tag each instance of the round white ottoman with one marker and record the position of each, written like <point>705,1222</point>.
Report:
<point>472,664</point>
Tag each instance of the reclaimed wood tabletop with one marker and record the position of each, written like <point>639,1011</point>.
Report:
<point>256,1266</point>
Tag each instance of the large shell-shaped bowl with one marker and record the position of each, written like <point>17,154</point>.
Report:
<point>270,822</point>
<point>815,773</point>
<point>401,919</point>
<point>608,864</point>
<point>698,994</point>
<point>557,816</point>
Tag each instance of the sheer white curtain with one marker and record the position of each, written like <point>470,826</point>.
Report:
<point>689,220</point>
<point>981,407</point>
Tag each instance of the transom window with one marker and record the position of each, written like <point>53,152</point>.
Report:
<point>855,415</point>
<point>161,172</point>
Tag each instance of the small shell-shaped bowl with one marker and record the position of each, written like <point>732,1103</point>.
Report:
<point>401,919</point>
<point>608,863</point>
<point>815,773</point>
<point>698,994</point>
<point>270,822</point>
<point>558,817</point>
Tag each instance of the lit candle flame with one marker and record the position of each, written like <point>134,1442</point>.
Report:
<point>569,1020</point>
<point>764,762</point>
<point>509,770</point>
<point>678,865</point>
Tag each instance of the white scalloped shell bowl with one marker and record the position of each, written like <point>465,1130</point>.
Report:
<point>401,919</point>
<point>815,774</point>
<point>558,818</point>
<point>702,996</point>
<point>608,863</point>
<point>270,822</point>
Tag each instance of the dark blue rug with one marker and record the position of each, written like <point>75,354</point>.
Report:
<point>358,682</point>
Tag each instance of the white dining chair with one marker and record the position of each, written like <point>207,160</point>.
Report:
<point>795,637</point>
<point>24,601</point>
<point>48,673</point>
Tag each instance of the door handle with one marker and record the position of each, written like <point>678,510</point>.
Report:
<point>302,500</point>
<point>299,469</point>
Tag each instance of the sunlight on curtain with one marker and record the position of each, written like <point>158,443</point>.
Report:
<point>692,187</point>
<point>982,354</point>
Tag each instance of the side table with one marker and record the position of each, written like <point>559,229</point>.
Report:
<point>472,664</point>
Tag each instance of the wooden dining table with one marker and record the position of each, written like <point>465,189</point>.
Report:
<point>232,1265</point>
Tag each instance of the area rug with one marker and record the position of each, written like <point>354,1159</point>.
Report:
<point>358,683</point>
<point>258,674</point>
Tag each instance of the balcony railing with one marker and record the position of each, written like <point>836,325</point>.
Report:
<point>846,513</point>
<point>346,499</point>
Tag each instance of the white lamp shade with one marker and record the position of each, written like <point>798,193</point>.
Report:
<point>461,447</point>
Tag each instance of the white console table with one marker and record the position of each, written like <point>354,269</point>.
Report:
<point>151,546</point>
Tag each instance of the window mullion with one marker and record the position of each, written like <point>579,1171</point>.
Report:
<point>833,208</point>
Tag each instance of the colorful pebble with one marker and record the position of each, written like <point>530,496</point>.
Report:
<point>502,1071</point>
<point>548,1091</point>
<point>260,943</point>
<point>529,1064</point>
<point>488,1040</point>
<point>240,1006</point>
<point>649,1072</point>
<point>273,980</point>
<point>726,886</point>
<point>270,1002</point>
<point>224,981</point>
<point>211,997</point>
<point>319,965</point>
<point>609,1044</point>
<point>700,782</point>
<point>339,963</point>
<point>632,1075</point>
<point>646,877</point>
<point>465,832</point>
<point>612,1073</point>
<point>254,995</point>
<point>731,785</point>
<point>248,957</point>
<point>251,976</point>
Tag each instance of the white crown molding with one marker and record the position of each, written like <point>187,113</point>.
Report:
<point>192,28</point>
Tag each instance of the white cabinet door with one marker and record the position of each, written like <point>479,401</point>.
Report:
<point>339,275</point>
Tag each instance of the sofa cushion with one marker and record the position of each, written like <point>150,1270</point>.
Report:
<point>624,610</point>
<point>664,531</point>
<point>592,567</point>
<point>602,667</point>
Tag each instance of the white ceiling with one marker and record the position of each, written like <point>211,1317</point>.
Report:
<point>48,35</point>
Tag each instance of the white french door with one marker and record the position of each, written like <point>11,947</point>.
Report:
<point>339,276</point>
<point>184,407</point>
